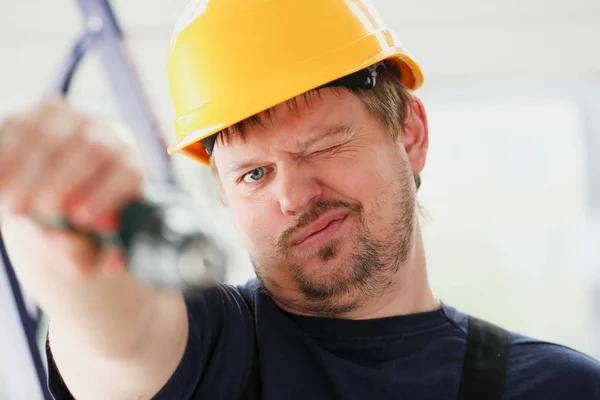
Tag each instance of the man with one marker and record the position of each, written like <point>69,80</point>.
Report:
<point>307,115</point>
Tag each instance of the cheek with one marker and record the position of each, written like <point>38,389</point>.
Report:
<point>392,166</point>
<point>254,224</point>
<point>375,179</point>
<point>357,175</point>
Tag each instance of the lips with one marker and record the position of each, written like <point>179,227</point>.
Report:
<point>317,226</point>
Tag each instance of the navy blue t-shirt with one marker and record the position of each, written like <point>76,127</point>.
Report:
<point>417,356</point>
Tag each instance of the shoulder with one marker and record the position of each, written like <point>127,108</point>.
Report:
<point>250,291</point>
<point>250,287</point>
<point>532,353</point>
<point>218,311</point>
<point>538,367</point>
<point>224,301</point>
<point>220,346</point>
<point>222,296</point>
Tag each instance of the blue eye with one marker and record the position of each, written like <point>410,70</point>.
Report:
<point>254,175</point>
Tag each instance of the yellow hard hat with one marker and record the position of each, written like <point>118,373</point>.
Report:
<point>232,59</point>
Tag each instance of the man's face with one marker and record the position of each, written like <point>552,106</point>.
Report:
<point>324,200</point>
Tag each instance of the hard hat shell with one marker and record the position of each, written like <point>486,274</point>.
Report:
<point>231,59</point>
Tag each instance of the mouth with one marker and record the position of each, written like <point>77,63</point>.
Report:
<point>322,225</point>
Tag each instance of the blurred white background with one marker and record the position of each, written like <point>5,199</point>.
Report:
<point>512,182</point>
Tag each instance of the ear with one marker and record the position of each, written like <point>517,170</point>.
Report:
<point>415,137</point>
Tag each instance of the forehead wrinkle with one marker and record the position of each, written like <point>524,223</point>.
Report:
<point>300,106</point>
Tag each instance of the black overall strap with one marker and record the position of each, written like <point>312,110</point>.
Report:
<point>484,368</point>
<point>252,389</point>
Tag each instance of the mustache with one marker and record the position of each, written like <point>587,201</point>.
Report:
<point>312,215</point>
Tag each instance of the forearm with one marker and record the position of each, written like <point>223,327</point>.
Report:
<point>107,311</point>
<point>111,337</point>
<point>120,352</point>
<point>107,314</point>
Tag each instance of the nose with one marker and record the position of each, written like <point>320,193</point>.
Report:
<point>296,191</point>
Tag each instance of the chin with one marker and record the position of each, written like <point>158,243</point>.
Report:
<point>330,262</point>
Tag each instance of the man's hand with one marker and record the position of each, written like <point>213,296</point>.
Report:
<point>57,163</point>
<point>112,337</point>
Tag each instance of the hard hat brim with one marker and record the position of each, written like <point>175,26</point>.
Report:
<point>295,82</point>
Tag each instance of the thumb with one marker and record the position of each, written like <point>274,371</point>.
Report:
<point>111,262</point>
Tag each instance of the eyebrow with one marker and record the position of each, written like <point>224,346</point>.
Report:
<point>344,131</point>
<point>241,166</point>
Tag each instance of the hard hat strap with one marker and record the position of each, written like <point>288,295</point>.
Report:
<point>363,79</point>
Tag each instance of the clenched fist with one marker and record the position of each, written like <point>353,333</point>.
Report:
<point>54,163</point>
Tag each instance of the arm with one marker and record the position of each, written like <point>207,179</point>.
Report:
<point>218,356</point>
<point>111,336</point>
<point>124,354</point>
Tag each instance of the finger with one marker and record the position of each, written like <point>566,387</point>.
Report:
<point>79,160</point>
<point>55,124</point>
<point>120,184</point>
<point>13,135</point>
<point>75,256</point>
<point>14,155</point>
<point>16,194</point>
<point>8,139</point>
<point>18,132</point>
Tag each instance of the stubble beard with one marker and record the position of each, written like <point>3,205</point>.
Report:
<point>332,290</point>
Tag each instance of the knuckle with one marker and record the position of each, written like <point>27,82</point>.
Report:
<point>96,134</point>
<point>97,129</point>
<point>99,151</point>
<point>130,167</point>
<point>126,180</point>
<point>57,120</point>
<point>96,145</point>
<point>10,122</point>
<point>50,105</point>
<point>14,124</point>
<point>131,172</point>
<point>60,124</point>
